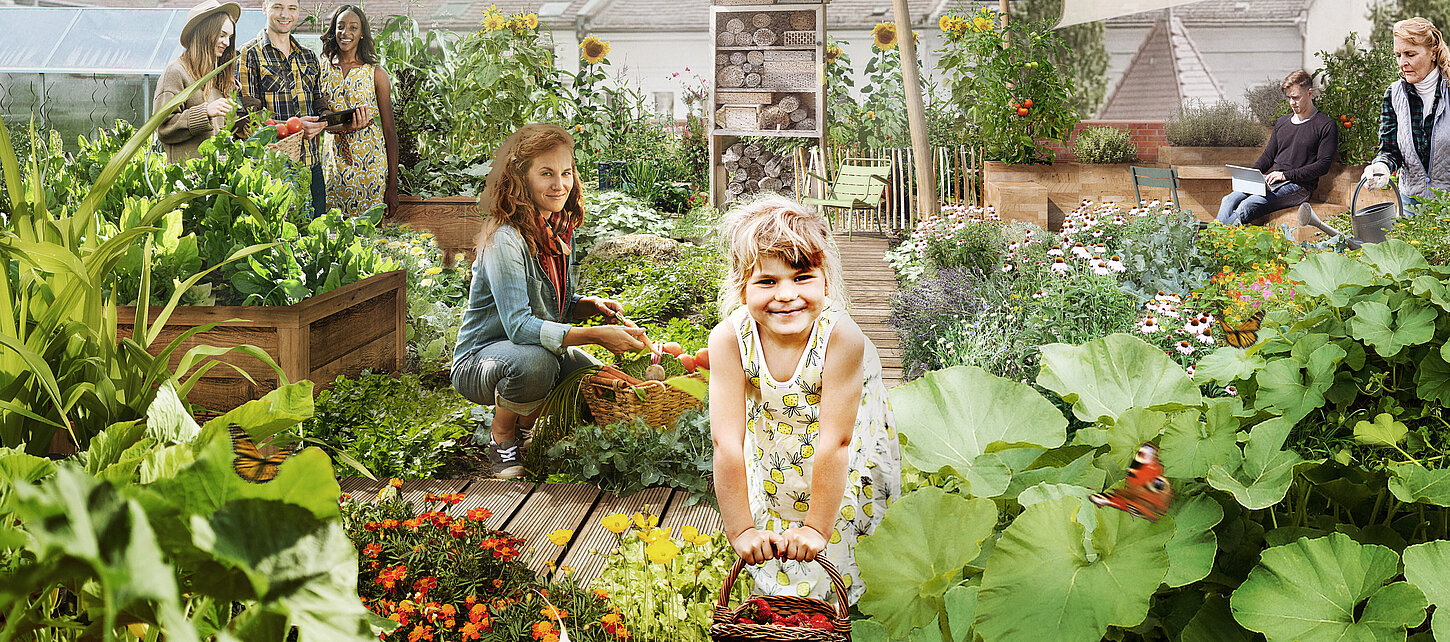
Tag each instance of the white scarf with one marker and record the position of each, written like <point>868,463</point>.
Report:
<point>1426,89</point>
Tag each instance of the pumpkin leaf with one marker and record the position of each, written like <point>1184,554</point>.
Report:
<point>946,427</point>
<point>1412,324</point>
<point>1384,431</point>
<point>1331,275</point>
<point>1425,566</point>
<point>1227,365</point>
<point>1214,622</point>
<point>1105,377</point>
<point>1194,441</point>
<point>1267,471</point>
<point>1432,378</point>
<point>1412,483</point>
<point>1040,572</point>
<point>1193,546</point>
<point>1312,589</point>
<point>1394,258</point>
<point>1296,387</point>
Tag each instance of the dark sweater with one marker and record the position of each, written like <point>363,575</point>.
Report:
<point>1303,151</point>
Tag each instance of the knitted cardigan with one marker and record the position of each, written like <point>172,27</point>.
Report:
<point>182,132</point>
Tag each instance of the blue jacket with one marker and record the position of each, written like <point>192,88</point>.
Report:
<point>511,299</point>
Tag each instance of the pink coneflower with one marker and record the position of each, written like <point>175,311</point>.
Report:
<point>1192,326</point>
<point>1039,294</point>
<point>1054,252</point>
<point>1189,370</point>
<point>1100,267</point>
<point>1232,391</point>
<point>1184,347</point>
<point>1006,267</point>
<point>1080,251</point>
<point>1205,338</point>
<point>1116,264</point>
<point>1149,325</point>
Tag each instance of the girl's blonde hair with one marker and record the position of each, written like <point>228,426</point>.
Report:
<point>1420,32</point>
<point>775,226</point>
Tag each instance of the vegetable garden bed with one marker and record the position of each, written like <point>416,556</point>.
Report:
<point>355,327</point>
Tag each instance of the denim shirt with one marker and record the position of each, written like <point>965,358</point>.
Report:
<point>511,299</point>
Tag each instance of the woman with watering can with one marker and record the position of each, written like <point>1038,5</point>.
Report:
<point>1415,116</point>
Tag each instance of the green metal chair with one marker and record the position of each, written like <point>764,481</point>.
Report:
<point>1164,177</point>
<point>860,185</point>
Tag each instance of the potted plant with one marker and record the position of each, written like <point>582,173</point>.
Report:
<point>1218,134</point>
<point>1105,155</point>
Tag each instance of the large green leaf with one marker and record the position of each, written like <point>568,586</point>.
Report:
<point>1383,431</point>
<point>1193,442</point>
<point>1295,387</point>
<point>1394,258</point>
<point>1079,471</point>
<point>305,479</point>
<point>1107,376</point>
<point>276,411</point>
<point>1432,378</point>
<point>917,553</point>
<point>949,422</point>
<point>1132,428</point>
<point>1412,483</point>
<point>1041,584</point>
<point>1227,365</point>
<point>1312,590</point>
<point>1425,566</point>
<point>1325,273</point>
<point>1267,470</point>
<point>1193,546</point>
<point>18,467</point>
<point>1389,331</point>
<point>1214,622</point>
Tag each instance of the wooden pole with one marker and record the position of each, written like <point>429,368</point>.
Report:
<point>915,111</point>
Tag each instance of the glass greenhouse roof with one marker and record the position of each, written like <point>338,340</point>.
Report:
<point>91,40</point>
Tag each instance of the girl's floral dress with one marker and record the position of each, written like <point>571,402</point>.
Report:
<point>356,178</point>
<point>781,429</point>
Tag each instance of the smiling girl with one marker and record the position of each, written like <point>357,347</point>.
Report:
<point>1415,115</point>
<point>361,163</point>
<point>515,343</point>
<point>209,42</point>
<point>806,457</point>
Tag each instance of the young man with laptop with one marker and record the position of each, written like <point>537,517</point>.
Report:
<point>1299,151</point>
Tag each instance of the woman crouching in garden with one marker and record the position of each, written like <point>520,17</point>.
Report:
<point>515,343</point>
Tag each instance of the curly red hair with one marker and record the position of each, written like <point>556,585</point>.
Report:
<point>506,199</point>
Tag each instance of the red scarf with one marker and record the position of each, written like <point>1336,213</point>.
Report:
<point>555,235</point>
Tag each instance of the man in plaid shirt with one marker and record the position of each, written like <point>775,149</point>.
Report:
<point>278,73</point>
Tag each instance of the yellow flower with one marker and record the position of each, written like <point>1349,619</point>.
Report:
<point>662,551</point>
<point>493,20</point>
<point>832,53</point>
<point>615,523</point>
<point>643,521</point>
<point>532,20</point>
<point>594,50</point>
<point>693,535</point>
<point>561,536</point>
<point>427,283</point>
<point>433,270</point>
<point>884,36</point>
<point>426,235</point>
<point>982,23</point>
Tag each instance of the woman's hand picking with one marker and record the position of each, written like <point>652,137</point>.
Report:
<point>220,107</point>
<point>757,546</point>
<point>618,339</point>
<point>803,544</point>
<point>608,308</point>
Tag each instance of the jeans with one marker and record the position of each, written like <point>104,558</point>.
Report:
<point>319,192</point>
<point>515,377</point>
<point>1239,208</point>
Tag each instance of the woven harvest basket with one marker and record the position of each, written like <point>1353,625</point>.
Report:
<point>291,147</point>
<point>659,404</point>
<point>724,629</point>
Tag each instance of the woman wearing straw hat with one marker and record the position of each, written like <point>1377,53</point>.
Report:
<point>208,39</point>
<point>1415,116</point>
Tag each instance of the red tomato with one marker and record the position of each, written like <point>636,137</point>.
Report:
<point>688,362</point>
<point>282,130</point>
<point>294,125</point>
<point>702,358</point>
<point>270,121</point>
<point>1027,103</point>
<point>1348,124</point>
<point>673,348</point>
<point>1022,111</point>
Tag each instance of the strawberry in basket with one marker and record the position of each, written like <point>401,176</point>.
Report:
<point>757,611</point>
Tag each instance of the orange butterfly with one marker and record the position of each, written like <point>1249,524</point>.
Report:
<point>250,463</point>
<point>1244,334</point>
<point>1147,493</point>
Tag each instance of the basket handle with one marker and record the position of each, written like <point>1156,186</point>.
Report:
<point>843,613</point>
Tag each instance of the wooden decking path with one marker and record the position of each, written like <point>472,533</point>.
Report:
<point>532,511</point>
<point>871,283</point>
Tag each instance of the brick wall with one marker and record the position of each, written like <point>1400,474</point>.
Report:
<point>1147,136</point>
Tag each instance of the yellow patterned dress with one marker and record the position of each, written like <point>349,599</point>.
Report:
<point>781,427</point>
<point>356,178</point>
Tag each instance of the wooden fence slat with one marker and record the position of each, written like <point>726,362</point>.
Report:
<point>500,497</point>
<point>549,508</point>
<point>592,535</point>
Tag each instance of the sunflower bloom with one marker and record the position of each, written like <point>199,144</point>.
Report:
<point>883,36</point>
<point>832,53</point>
<point>494,21</point>
<point>594,50</point>
<point>532,20</point>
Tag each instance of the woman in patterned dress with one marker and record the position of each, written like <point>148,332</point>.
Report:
<point>806,457</point>
<point>361,163</point>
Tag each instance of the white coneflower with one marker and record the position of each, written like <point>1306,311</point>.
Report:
<point>1116,264</point>
<point>1189,370</point>
<point>1100,249</point>
<point>1080,251</point>
<point>1119,220</point>
<point>1097,233</point>
<point>1205,338</point>
<point>1192,326</point>
<point>1012,247</point>
<point>1184,347</point>
<point>1169,311</point>
<point>1100,267</point>
<point>1054,252</point>
<point>1039,294</point>
<point>1060,266</point>
<point>1006,267</point>
<point>1232,391</point>
<point>1148,325</point>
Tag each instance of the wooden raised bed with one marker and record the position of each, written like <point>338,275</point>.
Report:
<point>1204,178</point>
<point>453,220</point>
<point>357,326</point>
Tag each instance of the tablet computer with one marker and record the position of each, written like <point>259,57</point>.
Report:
<point>1250,180</point>
<point>339,117</point>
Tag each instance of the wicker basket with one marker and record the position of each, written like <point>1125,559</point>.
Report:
<point>611,400</point>
<point>724,629</point>
<point>291,147</point>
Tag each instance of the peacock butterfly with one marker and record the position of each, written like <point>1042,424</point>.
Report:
<point>1146,493</point>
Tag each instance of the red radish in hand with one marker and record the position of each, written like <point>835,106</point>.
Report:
<point>673,348</point>
<point>702,358</point>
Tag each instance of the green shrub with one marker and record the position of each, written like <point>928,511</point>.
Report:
<point>976,245</point>
<point>610,214</point>
<point>1267,103</point>
<point>1354,80</point>
<point>1104,145</point>
<point>1223,124</point>
<point>394,426</point>
<point>627,457</point>
<point>1430,231</point>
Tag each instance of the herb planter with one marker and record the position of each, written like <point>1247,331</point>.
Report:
<point>355,327</point>
<point>1174,155</point>
<point>453,220</point>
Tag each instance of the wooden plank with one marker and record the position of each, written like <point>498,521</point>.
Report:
<point>361,488</point>
<point>549,508</point>
<point>500,497</point>
<point>349,295</point>
<point>704,517</point>
<point>592,536</point>
<point>415,491</point>
<point>335,336</point>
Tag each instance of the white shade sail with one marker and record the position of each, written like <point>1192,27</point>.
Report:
<point>1080,11</point>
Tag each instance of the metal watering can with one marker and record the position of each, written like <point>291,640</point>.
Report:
<point>1369,225</point>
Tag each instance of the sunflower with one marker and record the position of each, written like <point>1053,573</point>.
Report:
<point>493,21</point>
<point>832,53</point>
<point>984,21</point>
<point>884,36</point>
<point>532,20</point>
<point>594,50</point>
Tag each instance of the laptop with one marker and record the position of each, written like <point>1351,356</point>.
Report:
<point>1250,180</point>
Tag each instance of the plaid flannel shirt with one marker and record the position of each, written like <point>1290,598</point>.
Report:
<point>1389,151</point>
<point>286,85</point>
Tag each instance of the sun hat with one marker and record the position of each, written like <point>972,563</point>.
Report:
<point>206,9</point>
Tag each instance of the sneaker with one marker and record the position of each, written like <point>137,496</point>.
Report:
<point>525,435</point>
<point>506,460</point>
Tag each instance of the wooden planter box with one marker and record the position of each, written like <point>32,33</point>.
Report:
<point>1111,182</point>
<point>1006,189</point>
<point>357,326</point>
<point>453,220</point>
<point>1220,156</point>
